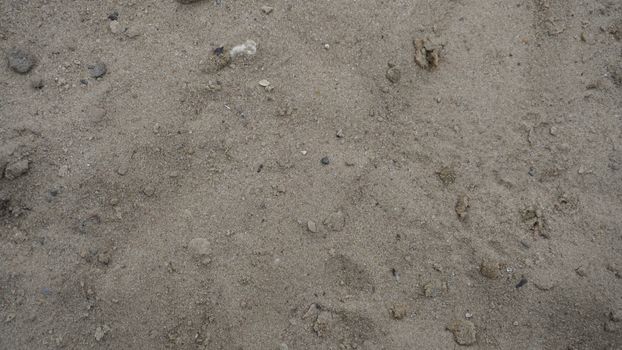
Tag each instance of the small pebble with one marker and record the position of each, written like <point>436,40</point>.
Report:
<point>20,61</point>
<point>399,311</point>
<point>340,134</point>
<point>264,83</point>
<point>312,226</point>
<point>16,169</point>
<point>325,161</point>
<point>267,9</point>
<point>490,269</point>
<point>97,70</point>
<point>393,75</point>
<point>101,331</point>
<point>581,271</point>
<point>115,27</point>
<point>522,282</point>
<point>113,16</point>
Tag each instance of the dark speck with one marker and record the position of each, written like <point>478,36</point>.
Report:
<point>219,50</point>
<point>113,16</point>
<point>325,161</point>
<point>260,168</point>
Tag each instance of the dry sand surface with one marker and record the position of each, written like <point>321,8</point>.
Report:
<point>363,174</point>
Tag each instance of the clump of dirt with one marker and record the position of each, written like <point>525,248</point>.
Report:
<point>426,55</point>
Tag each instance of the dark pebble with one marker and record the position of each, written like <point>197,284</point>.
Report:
<point>113,16</point>
<point>97,70</point>
<point>522,282</point>
<point>325,161</point>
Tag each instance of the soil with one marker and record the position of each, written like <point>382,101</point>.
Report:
<point>414,174</point>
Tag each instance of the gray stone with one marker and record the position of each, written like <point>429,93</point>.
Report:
<point>393,75</point>
<point>97,70</point>
<point>20,61</point>
<point>16,169</point>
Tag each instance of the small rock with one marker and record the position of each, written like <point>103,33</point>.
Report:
<point>101,331</point>
<point>16,169</point>
<point>398,311</point>
<point>522,282</point>
<point>463,331</point>
<point>393,75</point>
<point>581,271</point>
<point>97,70</point>
<point>447,175</point>
<point>115,27</point>
<point>340,134</point>
<point>20,61</point>
<point>199,247</point>
<point>325,161</point>
<point>264,83</point>
<point>267,9</point>
<point>462,206</point>
<point>434,288</point>
<point>490,269</point>
<point>312,226</point>
<point>148,190</point>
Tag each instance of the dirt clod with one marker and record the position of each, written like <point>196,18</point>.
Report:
<point>489,268</point>
<point>463,331</point>
<point>16,169</point>
<point>426,57</point>
<point>462,206</point>
<point>398,311</point>
<point>447,175</point>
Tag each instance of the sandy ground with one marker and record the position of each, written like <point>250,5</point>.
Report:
<point>471,195</point>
